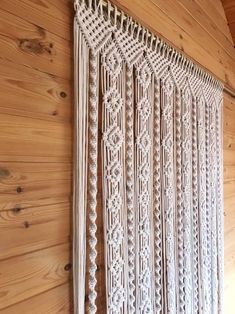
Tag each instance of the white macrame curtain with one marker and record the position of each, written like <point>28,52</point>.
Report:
<point>162,182</point>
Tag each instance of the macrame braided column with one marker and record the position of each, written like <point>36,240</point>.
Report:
<point>92,178</point>
<point>130,188</point>
<point>168,196</point>
<point>144,83</point>
<point>195,219</point>
<point>113,178</point>
<point>157,209</point>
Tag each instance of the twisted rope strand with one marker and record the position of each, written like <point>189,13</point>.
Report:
<point>157,199</point>
<point>195,209</point>
<point>92,181</point>
<point>130,189</point>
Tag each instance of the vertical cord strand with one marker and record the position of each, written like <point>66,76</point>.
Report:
<point>92,181</point>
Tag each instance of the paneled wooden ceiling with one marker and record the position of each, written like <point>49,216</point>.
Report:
<point>229,8</point>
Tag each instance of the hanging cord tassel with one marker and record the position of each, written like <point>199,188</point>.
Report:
<point>92,177</point>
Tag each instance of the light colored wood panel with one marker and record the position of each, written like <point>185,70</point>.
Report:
<point>209,26</point>
<point>26,139</point>
<point>26,185</point>
<point>25,276</point>
<point>54,301</point>
<point>219,7</point>
<point>54,16</point>
<point>229,8</point>
<point>187,21</point>
<point>211,11</point>
<point>31,229</point>
<point>28,92</point>
<point>28,44</point>
<point>229,190</point>
<point>229,202</point>
<point>229,172</point>
<point>229,159</point>
<point>156,19</point>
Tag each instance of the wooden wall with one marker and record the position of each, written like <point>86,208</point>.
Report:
<point>35,155</point>
<point>229,202</point>
<point>229,8</point>
<point>36,138</point>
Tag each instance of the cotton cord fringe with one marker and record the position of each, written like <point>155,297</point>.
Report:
<point>162,185</point>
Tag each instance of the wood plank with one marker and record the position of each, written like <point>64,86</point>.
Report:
<point>229,173</point>
<point>26,185</point>
<point>229,7</point>
<point>229,202</point>
<point>27,275</point>
<point>28,44</point>
<point>157,20</point>
<point>54,301</point>
<point>26,139</point>
<point>208,25</point>
<point>187,22</point>
<point>31,229</point>
<point>54,16</point>
<point>27,92</point>
<point>229,190</point>
<point>210,10</point>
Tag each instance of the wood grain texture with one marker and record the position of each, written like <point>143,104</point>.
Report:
<point>229,8</point>
<point>36,94</point>
<point>229,202</point>
<point>34,140</point>
<point>59,297</point>
<point>36,89</point>
<point>23,42</point>
<point>27,275</point>
<point>31,229</point>
<point>25,185</point>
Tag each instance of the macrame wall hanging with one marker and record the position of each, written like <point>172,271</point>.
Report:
<point>160,144</point>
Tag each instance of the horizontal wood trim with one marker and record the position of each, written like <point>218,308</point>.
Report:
<point>28,44</point>
<point>25,185</point>
<point>25,276</point>
<point>31,229</point>
<point>59,302</point>
<point>27,139</point>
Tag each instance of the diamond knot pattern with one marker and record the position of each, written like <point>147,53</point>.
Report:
<point>113,101</point>
<point>168,86</point>
<point>113,138</point>
<point>144,142</point>
<point>114,202</point>
<point>114,172</point>
<point>144,108</point>
<point>112,60</point>
<point>118,297</point>
<point>144,172</point>
<point>144,74</point>
<point>115,235</point>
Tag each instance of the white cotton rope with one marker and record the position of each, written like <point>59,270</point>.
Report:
<point>161,170</point>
